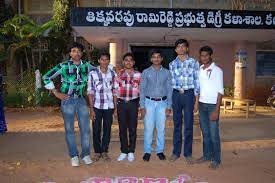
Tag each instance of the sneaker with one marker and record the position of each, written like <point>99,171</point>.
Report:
<point>106,157</point>
<point>189,160</point>
<point>122,157</point>
<point>131,157</point>
<point>173,158</point>
<point>146,157</point>
<point>96,157</point>
<point>75,161</point>
<point>201,160</point>
<point>214,165</point>
<point>87,160</point>
<point>161,156</point>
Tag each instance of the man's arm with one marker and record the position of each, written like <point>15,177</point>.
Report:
<point>91,93</point>
<point>143,84</point>
<point>47,79</point>
<point>215,115</point>
<point>196,86</point>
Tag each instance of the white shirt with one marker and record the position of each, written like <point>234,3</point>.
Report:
<point>211,84</point>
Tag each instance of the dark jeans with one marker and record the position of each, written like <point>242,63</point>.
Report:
<point>127,113</point>
<point>210,132</point>
<point>183,102</point>
<point>101,144</point>
<point>69,109</point>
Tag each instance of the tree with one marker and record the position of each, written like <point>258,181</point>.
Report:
<point>20,32</point>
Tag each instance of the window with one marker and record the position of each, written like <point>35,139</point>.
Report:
<point>265,63</point>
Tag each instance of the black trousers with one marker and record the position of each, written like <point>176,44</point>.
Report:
<point>105,116</point>
<point>127,120</point>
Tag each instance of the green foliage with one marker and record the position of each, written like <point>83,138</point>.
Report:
<point>25,95</point>
<point>61,9</point>
<point>228,91</point>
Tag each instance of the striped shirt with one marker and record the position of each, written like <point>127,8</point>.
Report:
<point>185,75</point>
<point>73,77</point>
<point>129,85</point>
<point>103,86</point>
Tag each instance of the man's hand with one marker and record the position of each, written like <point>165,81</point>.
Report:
<point>92,114</point>
<point>214,115</point>
<point>196,107</point>
<point>168,112</point>
<point>142,112</point>
<point>115,112</point>
<point>61,96</point>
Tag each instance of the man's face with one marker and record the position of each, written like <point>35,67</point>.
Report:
<point>76,54</point>
<point>181,49</point>
<point>205,57</point>
<point>104,61</point>
<point>156,59</point>
<point>128,62</point>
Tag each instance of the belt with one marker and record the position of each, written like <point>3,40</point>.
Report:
<point>127,101</point>
<point>157,99</point>
<point>182,91</point>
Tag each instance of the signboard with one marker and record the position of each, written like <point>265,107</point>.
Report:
<point>172,18</point>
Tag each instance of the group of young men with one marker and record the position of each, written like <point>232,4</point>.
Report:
<point>156,93</point>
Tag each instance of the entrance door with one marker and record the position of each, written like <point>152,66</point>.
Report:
<point>142,56</point>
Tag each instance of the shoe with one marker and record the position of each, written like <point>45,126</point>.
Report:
<point>146,157</point>
<point>214,165</point>
<point>189,160</point>
<point>131,157</point>
<point>161,156</point>
<point>75,161</point>
<point>201,160</point>
<point>173,158</point>
<point>87,160</point>
<point>122,157</point>
<point>106,157</point>
<point>96,157</point>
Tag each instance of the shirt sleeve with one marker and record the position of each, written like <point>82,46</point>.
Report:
<point>115,85</point>
<point>196,78</point>
<point>143,84</point>
<point>169,89</point>
<point>90,67</point>
<point>50,75</point>
<point>220,87</point>
<point>173,81</point>
<point>90,88</point>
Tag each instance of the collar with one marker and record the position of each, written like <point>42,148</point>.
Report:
<point>211,66</point>
<point>108,70</point>
<point>72,62</point>
<point>179,60</point>
<point>161,67</point>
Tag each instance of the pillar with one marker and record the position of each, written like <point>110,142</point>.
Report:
<point>240,71</point>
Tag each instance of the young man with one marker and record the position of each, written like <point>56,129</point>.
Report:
<point>102,93</point>
<point>74,77</point>
<point>127,107</point>
<point>211,91</point>
<point>185,71</point>
<point>155,103</point>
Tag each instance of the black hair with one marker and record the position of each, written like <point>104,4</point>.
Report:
<point>182,41</point>
<point>104,53</point>
<point>76,45</point>
<point>207,49</point>
<point>154,51</point>
<point>128,54</point>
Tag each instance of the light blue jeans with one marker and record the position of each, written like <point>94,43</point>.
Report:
<point>70,108</point>
<point>154,118</point>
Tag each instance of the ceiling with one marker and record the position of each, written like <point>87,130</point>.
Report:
<point>101,36</point>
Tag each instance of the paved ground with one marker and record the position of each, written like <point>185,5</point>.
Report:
<point>34,150</point>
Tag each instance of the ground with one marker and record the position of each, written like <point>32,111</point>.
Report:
<point>34,150</point>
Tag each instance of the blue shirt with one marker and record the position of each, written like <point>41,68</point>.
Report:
<point>156,84</point>
<point>185,74</point>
